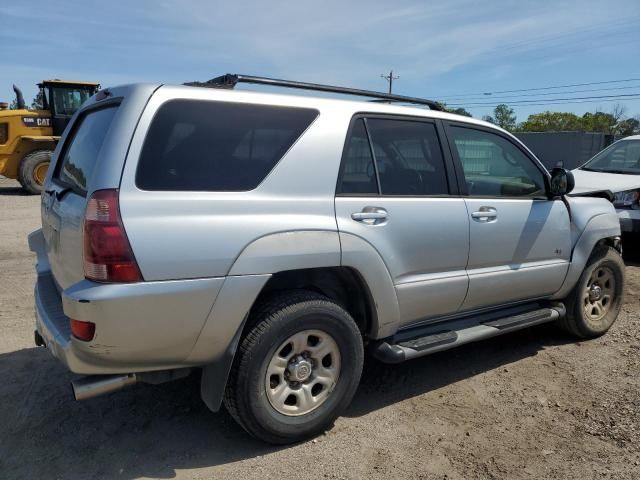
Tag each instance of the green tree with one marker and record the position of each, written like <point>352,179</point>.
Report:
<point>457,111</point>
<point>505,117</point>
<point>599,122</point>
<point>551,122</point>
<point>630,126</point>
<point>38,101</point>
<point>13,105</point>
<point>488,118</point>
<point>460,111</point>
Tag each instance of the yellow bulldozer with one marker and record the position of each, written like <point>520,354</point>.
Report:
<point>28,137</point>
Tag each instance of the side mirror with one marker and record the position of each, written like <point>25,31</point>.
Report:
<point>561,183</point>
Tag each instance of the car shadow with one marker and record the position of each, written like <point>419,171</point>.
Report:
<point>13,191</point>
<point>631,249</point>
<point>384,384</point>
<point>156,430</point>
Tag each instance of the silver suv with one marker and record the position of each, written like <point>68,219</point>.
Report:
<point>266,240</point>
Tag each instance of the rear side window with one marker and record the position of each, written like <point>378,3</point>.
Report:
<point>405,154</point>
<point>358,173</point>
<point>408,157</point>
<point>83,147</point>
<point>217,146</point>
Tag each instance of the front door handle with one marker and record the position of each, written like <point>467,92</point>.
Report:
<point>370,215</point>
<point>485,214</point>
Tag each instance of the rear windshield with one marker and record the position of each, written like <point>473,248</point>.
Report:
<point>217,146</point>
<point>83,147</point>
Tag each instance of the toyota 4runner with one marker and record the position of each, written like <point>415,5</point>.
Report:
<point>267,240</point>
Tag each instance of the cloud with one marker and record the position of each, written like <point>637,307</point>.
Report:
<point>341,42</point>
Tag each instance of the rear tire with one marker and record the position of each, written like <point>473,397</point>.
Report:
<point>297,368</point>
<point>597,298</point>
<point>33,169</point>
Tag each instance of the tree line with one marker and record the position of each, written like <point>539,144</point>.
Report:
<point>614,122</point>
<point>36,104</point>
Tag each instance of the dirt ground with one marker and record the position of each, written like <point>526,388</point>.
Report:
<point>533,404</point>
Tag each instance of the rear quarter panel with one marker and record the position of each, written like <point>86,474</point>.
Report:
<point>178,235</point>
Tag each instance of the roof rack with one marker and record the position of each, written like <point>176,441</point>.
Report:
<point>231,80</point>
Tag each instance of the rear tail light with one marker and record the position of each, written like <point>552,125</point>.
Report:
<point>83,330</point>
<point>107,254</point>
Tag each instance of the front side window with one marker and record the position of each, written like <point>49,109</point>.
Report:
<point>621,157</point>
<point>495,167</point>
<point>195,145</point>
<point>82,148</point>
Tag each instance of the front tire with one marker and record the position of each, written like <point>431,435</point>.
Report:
<point>297,368</point>
<point>595,302</point>
<point>33,170</point>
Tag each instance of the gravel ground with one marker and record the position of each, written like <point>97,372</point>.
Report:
<point>532,404</point>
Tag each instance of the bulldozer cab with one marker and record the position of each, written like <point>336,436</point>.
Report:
<point>62,98</point>
<point>28,137</point>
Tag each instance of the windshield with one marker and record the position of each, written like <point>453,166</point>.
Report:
<point>621,157</point>
<point>68,100</point>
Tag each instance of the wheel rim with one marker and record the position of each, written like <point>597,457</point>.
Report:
<point>303,372</point>
<point>599,294</point>
<point>40,172</point>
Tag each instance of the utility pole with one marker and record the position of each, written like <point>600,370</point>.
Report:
<point>390,78</point>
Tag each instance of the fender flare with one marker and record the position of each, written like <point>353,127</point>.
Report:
<point>599,227</point>
<point>291,250</point>
<point>250,272</point>
<point>360,255</point>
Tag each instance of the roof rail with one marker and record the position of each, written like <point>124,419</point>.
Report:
<point>231,80</point>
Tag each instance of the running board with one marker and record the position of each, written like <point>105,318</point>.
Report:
<point>453,333</point>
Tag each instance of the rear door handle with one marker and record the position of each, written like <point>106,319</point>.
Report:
<point>370,215</point>
<point>485,214</point>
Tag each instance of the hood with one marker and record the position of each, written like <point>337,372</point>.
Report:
<point>15,113</point>
<point>594,181</point>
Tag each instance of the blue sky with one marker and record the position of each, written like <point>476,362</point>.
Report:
<point>439,49</point>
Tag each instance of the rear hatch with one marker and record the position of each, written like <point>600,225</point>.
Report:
<point>91,157</point>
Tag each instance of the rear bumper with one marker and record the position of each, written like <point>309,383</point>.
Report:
<point>139,327</point>
<point>52,324</point>
<point>629,220</point>
<point>144,326</point>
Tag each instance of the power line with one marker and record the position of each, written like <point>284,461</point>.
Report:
<point>543,88</point>
<point>520,102</point>
<point>557,103</point>
<point>608,89</point>
<point>577,31</point>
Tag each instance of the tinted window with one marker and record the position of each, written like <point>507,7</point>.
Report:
<point>82,149</point>
<point>493,166</point>
<point>408,157</point>
<point>217,146</point>
<point>358,174</point>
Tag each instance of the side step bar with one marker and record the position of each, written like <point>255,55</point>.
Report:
<point>453,333</point>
